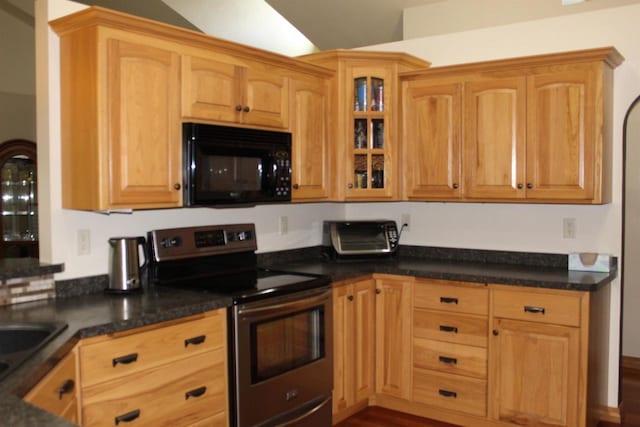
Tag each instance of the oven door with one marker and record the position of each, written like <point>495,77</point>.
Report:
<point>283,366</point>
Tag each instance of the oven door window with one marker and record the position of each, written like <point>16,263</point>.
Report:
<point>282,344</point>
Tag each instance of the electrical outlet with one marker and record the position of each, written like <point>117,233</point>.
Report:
<point>84,241</point>
<point>283,224</point>
<point>568,228</point>
<point>405,219</point>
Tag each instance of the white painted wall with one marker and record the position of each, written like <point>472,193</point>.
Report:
<point>535,228</point>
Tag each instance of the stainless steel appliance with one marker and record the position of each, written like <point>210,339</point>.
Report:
<point>226,165</point>
<point>280,336</point>
<point>360,239</point>
<point>124,264</point>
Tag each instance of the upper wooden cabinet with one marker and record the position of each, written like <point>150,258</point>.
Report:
<point>534,129</point>
<point>364,146</point>
<point>213,89</point>
<point>310,138</point>
<point>128,83</point>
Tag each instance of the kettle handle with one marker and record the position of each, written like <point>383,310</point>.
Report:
<point>142,242</point>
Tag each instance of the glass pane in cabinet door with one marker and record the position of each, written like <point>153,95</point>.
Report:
<point>360,171</point>
<point>377,130</point>
<point>377,171</point>
<point>360,94</point>
<point>360,133</point>
<point>377,94</point>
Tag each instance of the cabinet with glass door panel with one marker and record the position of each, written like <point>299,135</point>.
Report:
<point>369,153</point>
<point>18,207</point>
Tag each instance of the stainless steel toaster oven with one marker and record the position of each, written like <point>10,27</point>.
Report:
<point>359,239</point>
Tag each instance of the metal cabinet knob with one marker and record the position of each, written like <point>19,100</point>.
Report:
<point>238,107</point>
<point>350,186</point>
<point>519,186</point>
<point>350,297</point>
<point>529,185</point>
<point>296,186</point>
<point>177,186</point>
<point>246,109</point>
<point>455,185</point>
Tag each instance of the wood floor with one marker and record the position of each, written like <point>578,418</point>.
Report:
<point>378,417</point>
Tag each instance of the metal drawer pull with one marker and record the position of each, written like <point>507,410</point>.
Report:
<point>196,392</point>
<point>128,417</point>
<point>531,309</point>
<point>449,360</point>
<point>449,329</point>
<point>195,340</point>
<point>447,393</point>
<point>125,360</point>
<point>67,387</point>
<point>448,300</point>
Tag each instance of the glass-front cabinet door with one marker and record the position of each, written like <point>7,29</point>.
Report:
<point>368,154</point>
<point>18,206</point>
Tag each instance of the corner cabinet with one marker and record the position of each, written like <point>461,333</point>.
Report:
<point>120,118</point>
<point>530,129</point>
<point>365,145</point>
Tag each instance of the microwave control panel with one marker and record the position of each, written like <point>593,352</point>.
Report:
<point>283,175</point>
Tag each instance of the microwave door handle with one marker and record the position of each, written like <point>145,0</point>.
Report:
<point>283,308</point>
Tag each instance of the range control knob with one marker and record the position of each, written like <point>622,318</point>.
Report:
<point>170,242</point>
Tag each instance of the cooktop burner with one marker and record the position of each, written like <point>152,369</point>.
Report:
<point>222,260</point>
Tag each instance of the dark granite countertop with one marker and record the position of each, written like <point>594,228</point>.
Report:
<point>26,267</point>
<point>96,313</point>
<point>541,277</point>
<point>87,316</point>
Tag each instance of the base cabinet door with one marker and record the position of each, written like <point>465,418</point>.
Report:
<point>393,335</point>
<point>353,346</point>
<point>534,369</point>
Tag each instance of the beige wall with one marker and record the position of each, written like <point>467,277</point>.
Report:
<point>17,79</point>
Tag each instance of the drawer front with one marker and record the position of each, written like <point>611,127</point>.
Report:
<point>450,358</point>
<point>447,296</point>
<point>57,391</point>
<point>462,394</point>
<point>177,394</point>
<point>104,361</point>
<point>219,420</point>
<point>449,327</point>
<point>559,309</point>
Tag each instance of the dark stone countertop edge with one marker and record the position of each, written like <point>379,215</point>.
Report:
<point>11,268</point>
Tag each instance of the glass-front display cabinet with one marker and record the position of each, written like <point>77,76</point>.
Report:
<point>368,165</point>
<point>19,208</point>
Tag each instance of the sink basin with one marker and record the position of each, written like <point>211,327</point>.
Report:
<point>19,341</point>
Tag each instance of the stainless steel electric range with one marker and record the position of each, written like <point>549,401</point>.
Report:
<point>280,324</point>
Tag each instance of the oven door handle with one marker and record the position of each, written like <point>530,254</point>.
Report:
<point>304,302</point>
<point>306,414</point>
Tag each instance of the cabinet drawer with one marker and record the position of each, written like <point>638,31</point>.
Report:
<point>455,297</point>
<point>121,356</point>
<point>560,309</point>
<point>448,357</point>
<point>449,327</point>
<point>219,420</point>
<point>450,391</point>
<point>178,394</point>
<point>57,391</point>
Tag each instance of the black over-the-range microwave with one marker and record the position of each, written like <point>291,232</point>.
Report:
<point>226,165</point>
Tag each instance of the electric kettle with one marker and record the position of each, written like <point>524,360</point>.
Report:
<point>124,264</point>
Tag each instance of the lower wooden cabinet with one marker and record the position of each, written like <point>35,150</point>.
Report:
<point>353,347</point>
<point>480,354</point>
<point>57,392</point>
<point>169,374</point>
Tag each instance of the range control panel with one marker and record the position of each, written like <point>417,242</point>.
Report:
<point>191,242</point>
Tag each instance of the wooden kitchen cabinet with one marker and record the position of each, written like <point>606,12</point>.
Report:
<point>353,347</point>
<point>234,91</point>
<point>310,167</point>
<point>120,117</point>
<point>393,333</point>
<point>450,345</point>
<point>432,124</point>
<point>538,363</point>
<point>535,129</point>
<point>364,118</point>
<point>168,374</point>
<point>57,392</point>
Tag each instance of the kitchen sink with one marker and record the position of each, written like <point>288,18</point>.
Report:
<point>21,340</point>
